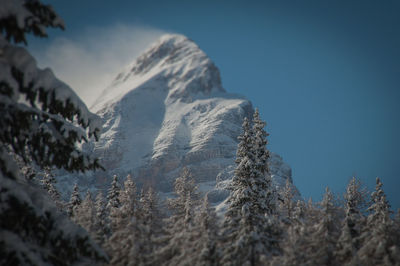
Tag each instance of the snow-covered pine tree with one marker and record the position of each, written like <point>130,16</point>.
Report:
<point>260,142</point>
<point>179,238</point>
<point>41,120</point>
<point>348,242</point>
<point>151,219</point>
<point>299,212</point>
<point>261,156</point>
<point>248,233</point>
<point>294,246</point>
<point>85,214</point>
<point>48,182</point>
<point>296,241</point>
<point>287,205</point>
<point>124,224</point>
<point>74,201</point>
<point>323,239</point>
<point>206,227</point>
<point>379,245</point>
<point>183,186</point>
<point>113,200</point>
<point>126,199</point>
<point>151,212</point>
<point>100,227</point>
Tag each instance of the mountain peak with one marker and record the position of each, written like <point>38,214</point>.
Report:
<point>166,111</point>
<point>177,63</point>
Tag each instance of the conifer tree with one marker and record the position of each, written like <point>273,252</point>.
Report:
<point>113,200</point>
<point>42,122</point>
<point>206,252</point>
<point>259,144</point>
<point>101,230</point>
<point>323,240</point>
<point>379,245</point>
<point>153,228</point>
<point>348,242</point>
<point>179,239</point>
<point>48,183</point>
<point>287,204</point>
<point>124,223</point>
<point>261,156</point>
<point>299,212</point>
<point>85,214</point>
<point>249,230</point>
<point>74,201</point>
<point>151,212</point>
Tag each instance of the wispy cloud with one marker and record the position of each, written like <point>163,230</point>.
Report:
<point>89,62</point>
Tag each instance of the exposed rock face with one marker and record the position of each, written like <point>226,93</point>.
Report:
<point>169,110</point>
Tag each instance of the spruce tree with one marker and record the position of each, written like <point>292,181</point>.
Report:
<point>259,143</point>
<point>379,245</point>
<point>151,218</point>
<point>179,239</point>
<point>84,214</point>
<point>325,233</point>
<point>74,201</point>
<point>205,252</point>
<point>299,212</point>
<point>101,230</point>
<point>48,182</point>
<point>249,231</point>
<point>151,213</point>
<point>348,242</point>
<point>287,204</point>
<point>126,228</point>
<point>113,199</point>
<point>261,156</point>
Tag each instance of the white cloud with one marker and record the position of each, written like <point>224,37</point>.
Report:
<point>91,60</point>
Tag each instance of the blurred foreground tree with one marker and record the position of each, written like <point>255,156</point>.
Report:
<point>42,121</point>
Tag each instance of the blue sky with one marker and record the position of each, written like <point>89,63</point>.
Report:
<point>324,74</point>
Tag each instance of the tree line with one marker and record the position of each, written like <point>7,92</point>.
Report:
<point>260,226</point>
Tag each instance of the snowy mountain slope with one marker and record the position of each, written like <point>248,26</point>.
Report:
<point>168,110</point>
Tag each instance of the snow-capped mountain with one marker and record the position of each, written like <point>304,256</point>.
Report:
<point>168,110</point>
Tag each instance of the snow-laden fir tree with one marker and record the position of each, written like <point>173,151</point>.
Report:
<point>126,228</point>
<point>101,226</point>
<point>261,156</point>
<point>249,230</point>
<point>113,192</point>
<point>287,205</point>
<point>74,201</point>
<point>348,242</point>
<point>41,121</point>
<point>149,228</point>
<point>179,239</point>
<point>299,212</point>
<point>206,252</point>
<point>151,213</point>
<point>323,239</point>
<point>48,182</point>
<point>85,214</point>
<point>297,240</point>
<point>379,245</point>
<point>123,202</point>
